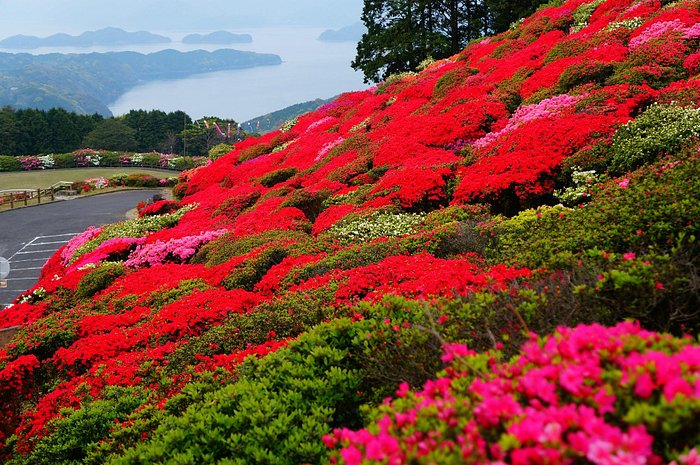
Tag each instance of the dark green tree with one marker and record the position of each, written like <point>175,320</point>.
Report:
<point>200,136</point>
<point>111,134</point>
<point>503,13</point>
<point>8,132</point>
<point>402,33</point>
<point>33,131</point>
<point>63,133</point>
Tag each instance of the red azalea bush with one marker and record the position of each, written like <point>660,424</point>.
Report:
<point>417,188</point>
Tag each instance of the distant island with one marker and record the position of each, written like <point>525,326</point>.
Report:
<point>109,36</point>
<point>218,37</point>
<point>352,33</point>
<point>88,83</point>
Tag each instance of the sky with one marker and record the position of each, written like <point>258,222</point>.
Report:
<point>45,17</point>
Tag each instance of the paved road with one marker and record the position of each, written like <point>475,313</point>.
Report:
<point>29,236</point>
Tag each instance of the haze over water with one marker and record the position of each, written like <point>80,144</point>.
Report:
<point>311,69</point>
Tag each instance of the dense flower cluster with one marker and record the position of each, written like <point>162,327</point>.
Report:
<point>90,157</point>
<point>558,402</point>
<point>437,188</point>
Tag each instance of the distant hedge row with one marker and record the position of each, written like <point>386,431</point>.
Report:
<point>91,158</point>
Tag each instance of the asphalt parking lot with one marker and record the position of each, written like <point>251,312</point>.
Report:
<point>29,236</point>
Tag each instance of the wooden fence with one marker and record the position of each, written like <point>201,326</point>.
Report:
<point>23,197</point>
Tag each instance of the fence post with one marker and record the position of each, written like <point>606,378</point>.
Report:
<point>26,194</point>
<point>38,194</point>
<point>12,200</point>
<point>52,193</point>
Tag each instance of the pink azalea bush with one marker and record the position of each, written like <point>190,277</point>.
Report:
<point>607,396</point>
<point>177,250</point>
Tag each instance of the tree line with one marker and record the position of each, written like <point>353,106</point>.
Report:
<point>32,132</point>
<point>403,33</point>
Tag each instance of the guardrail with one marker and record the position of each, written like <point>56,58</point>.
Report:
<point>22,197</point>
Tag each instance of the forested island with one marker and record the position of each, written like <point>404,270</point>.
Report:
<point>109,36</point>
<point>87,83</point>
<point>352,33</point>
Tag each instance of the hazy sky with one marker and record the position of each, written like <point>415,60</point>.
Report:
<point>44,17</point>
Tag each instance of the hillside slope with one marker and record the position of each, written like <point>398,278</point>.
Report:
<point>410,241</point>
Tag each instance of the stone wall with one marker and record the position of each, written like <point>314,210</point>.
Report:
<point>7,334</point>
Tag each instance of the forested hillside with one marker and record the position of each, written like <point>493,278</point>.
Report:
<point>88,82</point>
<point>494,260</point>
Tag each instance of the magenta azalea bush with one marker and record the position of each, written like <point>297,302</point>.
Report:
<point>607,396</point>
<point>402,242</point>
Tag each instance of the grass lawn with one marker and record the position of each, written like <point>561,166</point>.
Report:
<point>44,178</point>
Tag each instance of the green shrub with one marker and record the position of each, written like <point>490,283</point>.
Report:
<point>99,279</point>
<point>78,433</point>
<point>142,180</point>
<point>64,160</point>
<point>660,130</point>
<point>151,159</point>
<point>284,317</point>
<point>45,336</point>
<point>8,163</point>
<point>110,158</point>
<point>281,406</point>
<point>279,176</point>
<point>310,203</point>
<point>161,298</point>
<point>646,210</point>
<point>452,79</point>
<point>580,188</point>
<point>253,270</point>
<point>582,14</point>
<point>345,259</point>
<point>219,151</point>
<point>585,73</point>
<point>225,247</point>
<point>118,179</point>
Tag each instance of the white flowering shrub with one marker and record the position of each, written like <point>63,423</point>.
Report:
<point>660,130</point>
<point>579,191</point>
<point>377,224</point>
<point>47,160</point>
<point>136,227</point>
<point>289,124</point>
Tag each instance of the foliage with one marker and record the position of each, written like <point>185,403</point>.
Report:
<point>563,396</point>
<point>375,225</point>
<point>315,271</point>
<point>219,151</point>
<point>111,134</point>
<point>660,130</point>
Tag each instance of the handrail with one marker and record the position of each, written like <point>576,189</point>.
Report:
<point>18,196</point>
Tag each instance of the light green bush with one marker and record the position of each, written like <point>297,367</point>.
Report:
<point>660,130</point>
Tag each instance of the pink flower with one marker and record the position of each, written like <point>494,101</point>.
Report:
<point>677,386</point>
<point>624,183</point>
<point>644,386</point>
<point>351,455</point>
<point>629,256</point>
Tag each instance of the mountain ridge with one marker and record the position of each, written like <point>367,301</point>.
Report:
<point>109,36</point>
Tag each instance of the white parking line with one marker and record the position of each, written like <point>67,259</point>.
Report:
<point>34,251</point>
<point>57,235</point>
<point>29,260</point>
<point>26,269</point>
<point>50,243</point>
